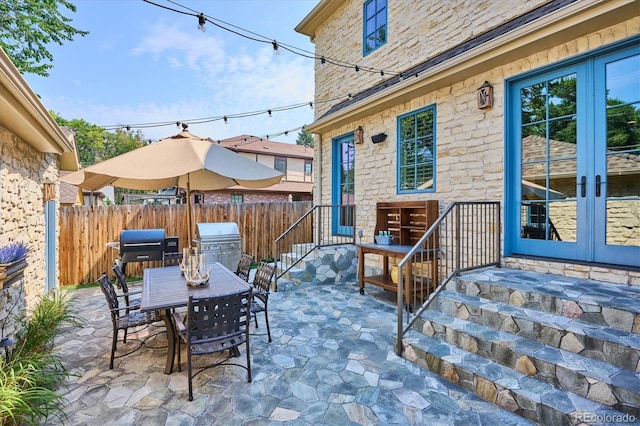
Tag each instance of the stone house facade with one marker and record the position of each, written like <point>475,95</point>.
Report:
<point>456,90</point>
<point>295,161</point>
<point>33,150</point>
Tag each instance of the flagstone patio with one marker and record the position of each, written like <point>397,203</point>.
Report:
<point>331,362</point>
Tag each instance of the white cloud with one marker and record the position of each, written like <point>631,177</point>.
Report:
<point>211,77</point>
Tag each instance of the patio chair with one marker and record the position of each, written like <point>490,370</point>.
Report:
<point>121,281</point>
<point>214,324</point>
<point>123,317</point>
<point>244,266</point>
<point>261,285</point>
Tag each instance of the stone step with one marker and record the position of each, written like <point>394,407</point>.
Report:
<point>527,396</point>
<point>615,346</point>
<point>611,305</point>
<point>600,381</point>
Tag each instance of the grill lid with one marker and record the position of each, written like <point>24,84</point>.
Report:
<point>217,231</point>
<point>137,237</point>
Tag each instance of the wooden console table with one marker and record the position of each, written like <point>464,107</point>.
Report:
<point>384,280</point>
<point>407,221</point>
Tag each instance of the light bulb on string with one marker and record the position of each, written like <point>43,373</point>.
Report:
<point>202,22</point>
<point>276,48</point>
<point>269,111</point>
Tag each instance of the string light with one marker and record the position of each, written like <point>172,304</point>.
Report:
<point>224,118</point>
<point>202,22</point>
<point>242,32</point>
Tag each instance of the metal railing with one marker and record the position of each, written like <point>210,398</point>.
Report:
<point>321,226</point>
<point>465,237</point>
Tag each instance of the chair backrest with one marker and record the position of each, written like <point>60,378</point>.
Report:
<point>109,292</point>
<point>214,318</point>
<point>121,279</point>
<point>244,266</point>
<point>262,280</point>
<point>172,259</point>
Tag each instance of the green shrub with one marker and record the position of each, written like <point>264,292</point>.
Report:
<point>30,372</point>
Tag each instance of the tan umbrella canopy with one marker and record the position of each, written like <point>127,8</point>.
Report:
<point>533,191</point>
<point>184,161</point>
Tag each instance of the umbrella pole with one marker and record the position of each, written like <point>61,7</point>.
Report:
<point>189,230</point>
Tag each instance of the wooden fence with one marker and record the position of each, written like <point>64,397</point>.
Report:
<point>85,231</point>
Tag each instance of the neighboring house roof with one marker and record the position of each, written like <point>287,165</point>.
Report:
<point>534,149</point>
<point>69,194</point>
<point>24,115</point>
<point>254,144</point>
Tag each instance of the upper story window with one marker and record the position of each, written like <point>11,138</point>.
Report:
<point>236,198</point>
<point>280,164</point>
<point>375,25</point>
<point>416,151</point>
<point>308,167</point>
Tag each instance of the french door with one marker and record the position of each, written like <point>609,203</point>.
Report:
<point>342,193</point>
<point>574,158</point>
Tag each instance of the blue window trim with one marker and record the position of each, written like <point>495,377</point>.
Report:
<point>511,151</point>
<point>435,145</point>
<point>365,52</point>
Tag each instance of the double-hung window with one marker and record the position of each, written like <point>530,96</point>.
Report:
<point>280,164</point>
<point>375,25</point>
<point>416,150</point>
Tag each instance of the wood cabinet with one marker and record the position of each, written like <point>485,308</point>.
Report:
<point>407,221</point>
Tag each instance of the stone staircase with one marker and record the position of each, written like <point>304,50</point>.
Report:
<point>324,265</point>
<point>553,349</point>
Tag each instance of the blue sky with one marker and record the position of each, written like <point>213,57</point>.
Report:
<point>142,64</point>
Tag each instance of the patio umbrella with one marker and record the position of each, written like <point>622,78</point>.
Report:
<point>184,161</point>
<point>533,191</point>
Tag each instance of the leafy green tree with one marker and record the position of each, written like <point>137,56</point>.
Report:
<point>28,26</point>
<point>94,144</point>
<point>305,138</point>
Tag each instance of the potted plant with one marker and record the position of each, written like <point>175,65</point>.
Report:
<point>13,260</point>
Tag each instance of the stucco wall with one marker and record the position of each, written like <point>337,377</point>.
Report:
<point>469,141</point>
<point>23,170</point>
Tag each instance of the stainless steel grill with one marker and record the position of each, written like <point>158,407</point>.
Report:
<point>220,242</point>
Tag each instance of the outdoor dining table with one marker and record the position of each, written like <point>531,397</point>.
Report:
<point>165,288</point>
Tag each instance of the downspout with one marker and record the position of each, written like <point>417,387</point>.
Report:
<point>317,195</point>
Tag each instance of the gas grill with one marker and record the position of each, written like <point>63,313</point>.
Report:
<point>141,245</point>
<point>219,242</point>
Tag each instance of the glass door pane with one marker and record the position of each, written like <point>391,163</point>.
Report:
<point>548,160</point>
<point>618,190</point>
<point>343,188</point>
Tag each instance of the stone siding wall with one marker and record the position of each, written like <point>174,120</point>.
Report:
<point>469,141</point>
<point>417,31</point>
<point>23,170</point>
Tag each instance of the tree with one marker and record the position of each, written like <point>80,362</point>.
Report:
<point>27,26</point>
<point>94,144</point>
<point>305,138</point>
